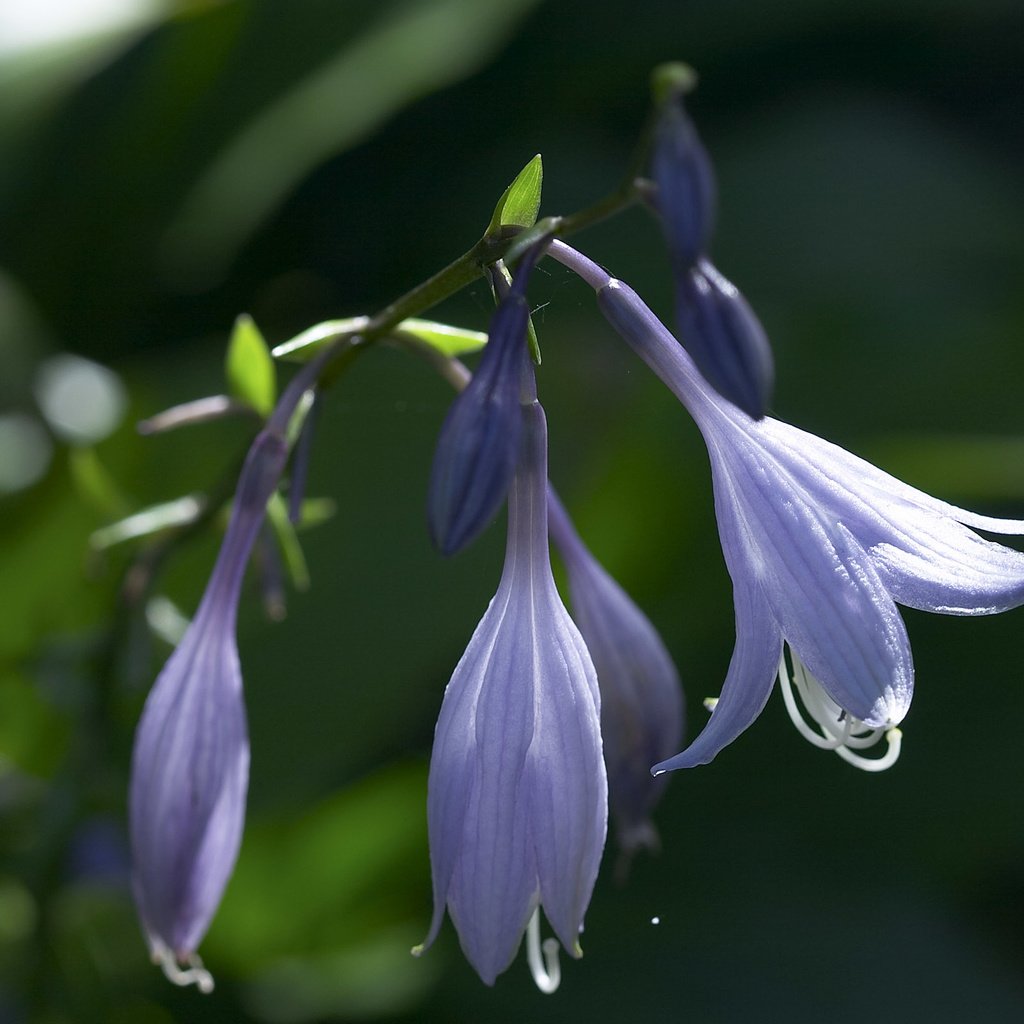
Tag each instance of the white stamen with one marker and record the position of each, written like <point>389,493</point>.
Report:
<point>192,973</point>
<point>710,703</point>
<point>840,731</point>
<point>546,971</point>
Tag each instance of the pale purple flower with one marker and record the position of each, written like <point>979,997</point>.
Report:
<point>641,697</point>
<point>821,546</point>
<point>190,766</point>
<point>517,794</point>
<point>190,763</point>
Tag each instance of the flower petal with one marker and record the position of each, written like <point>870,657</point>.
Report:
<point>755,659</point>
<point>190,771</point>
<point>641,698</point>
<point>925,555</point>
<point>491,894</point>
<point>568,786</point>
<point>821,585</point>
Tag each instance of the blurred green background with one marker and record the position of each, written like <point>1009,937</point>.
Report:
<point>164,167</point>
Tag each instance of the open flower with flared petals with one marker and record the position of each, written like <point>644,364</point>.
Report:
<point>517,795</point>
<point>641,697</point>
<point>821,547</point>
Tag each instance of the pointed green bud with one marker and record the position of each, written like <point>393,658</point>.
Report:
<point>249,367</point>
<point>520,202</point>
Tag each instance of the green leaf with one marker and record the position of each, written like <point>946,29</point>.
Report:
<point>148,521</point>
<point>304,346</point>
<point>520,202</point>
<point>250,369</point>
<point>449,341</point>
<point>291,549</point>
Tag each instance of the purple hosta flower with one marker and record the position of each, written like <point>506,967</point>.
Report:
<point>641,698</point>
<point>479,441</point>
<point>821,546</point>
<point>517,804</point>
<point>190,763</point>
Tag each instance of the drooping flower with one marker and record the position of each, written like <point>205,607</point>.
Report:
<point>641,698</point>
<point>517,793</point>
<point>190,762</point>
<point>821,546</point>
<point>190,765</point>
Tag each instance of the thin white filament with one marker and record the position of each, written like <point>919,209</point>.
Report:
<point>546,970</point>
<point>840,731</point>
<point>193,973</point>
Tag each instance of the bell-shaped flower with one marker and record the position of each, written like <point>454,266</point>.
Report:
<point>641,697</point>
<point>821,546</point>
<point>517,793</point>
<point>190,763</point>
<point>479,441</point>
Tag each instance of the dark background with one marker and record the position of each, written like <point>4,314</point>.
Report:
<point>313,159</point>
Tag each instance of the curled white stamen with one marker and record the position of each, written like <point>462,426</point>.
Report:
<point>840,731</point>
<point>192,973</point>
<point>546,970</point>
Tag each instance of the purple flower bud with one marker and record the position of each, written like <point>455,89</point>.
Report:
<point>716,325</point>
<point>517,804</point>
<point>685,182</point>
<point>479,441</point>
<point>725,338</point>
<point>641,698</point>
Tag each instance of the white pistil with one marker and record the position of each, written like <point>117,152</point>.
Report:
<point>840,731</point>
<point>546,970</point>
<point>192,973</point>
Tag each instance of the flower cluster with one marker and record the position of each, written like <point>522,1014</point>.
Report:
<point>552,719</point>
